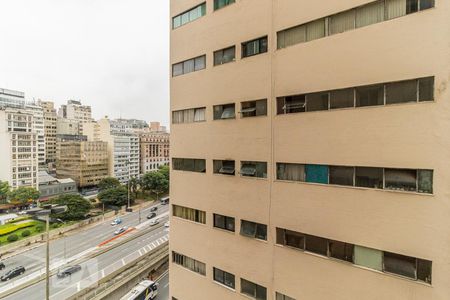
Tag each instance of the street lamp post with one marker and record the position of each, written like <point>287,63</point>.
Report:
<point>128,183</point>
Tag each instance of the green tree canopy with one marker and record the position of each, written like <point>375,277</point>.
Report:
<point>155,182</point>
<point>23,195</point>
<point>134,185</point>
<point>108,182</point>
<point>77,207</point>
<point>4,189</point>
<point>116,196</point>
<point>165,170</point>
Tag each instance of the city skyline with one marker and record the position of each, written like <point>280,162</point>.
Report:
<point>60,51</point>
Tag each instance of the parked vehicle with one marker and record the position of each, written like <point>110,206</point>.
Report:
<point>145,290</point>
<point>13,273</point>
<point>164,200</point>
<point>2,266</point>
<point>68,271</point>
<point>116,222</point>
<point>120,230</point>
<point>167,224</point>
<point>154,222</point>
<point>154,208</point>
<point>151,216</point>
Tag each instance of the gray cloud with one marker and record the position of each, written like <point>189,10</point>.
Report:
<point>110,54</point>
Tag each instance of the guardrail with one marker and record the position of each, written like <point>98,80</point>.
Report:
<point>122,271</point>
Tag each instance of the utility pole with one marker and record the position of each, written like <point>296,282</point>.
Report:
<point>47,259</point>
<point>129,162</point>
<point>103,211</point>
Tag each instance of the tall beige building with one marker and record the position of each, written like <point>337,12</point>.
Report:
<point>84,161</point>
<point>310,146</point>
<point>50,118</point>
<point>154,149</point>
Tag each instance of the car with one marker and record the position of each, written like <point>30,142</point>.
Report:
<point>120,230</point>
<point>2,266</point>
<point>151,216</point>
<point>154,208</point>
<point>154,222</point>
<point>167,224</point>
<point>22,212</point>
<point>13,273</point>
<point>116,222</point>
<point>164,201</point>
<point>68,271</point>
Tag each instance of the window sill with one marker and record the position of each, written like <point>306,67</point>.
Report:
<point>355,187</point>
<point>254,239</point>
<point>260,116</point>
<point>189,172</point>
<point>230,62</point>
<point>186,269</point>
<point>392,275</point>
<point>224,230</point>
<point>253,55</point>
<point>224,286</point>
<point>184,123</point>
<point>253,177</point>
<point>188,221</point>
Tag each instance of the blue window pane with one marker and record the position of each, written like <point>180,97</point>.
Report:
<point>317,173</point>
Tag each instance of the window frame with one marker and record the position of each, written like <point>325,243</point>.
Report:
<point>188,11</point>
<point>259,40</point>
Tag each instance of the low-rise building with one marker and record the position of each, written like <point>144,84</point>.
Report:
<point>50,186</point>
<point>154,150</point>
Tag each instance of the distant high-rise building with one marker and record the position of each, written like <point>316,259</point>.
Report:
<point>154,148</point>
<point>50,117</point>
<point>84,161</point>
<point>18,147</point>
<point>75,111</point>
<point>310,143</point>
<point>38,125</point>
<point>127,125</point>
<point>123,148</point>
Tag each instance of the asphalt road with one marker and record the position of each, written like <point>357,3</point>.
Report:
<point>63,288</point>
<point>163,288</point>
<point>73,244</point>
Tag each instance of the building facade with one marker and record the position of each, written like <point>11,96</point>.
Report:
<point>309,143</point>
<point>123,148</point>
<point>18,148</point>
<point>50,117</point>
<point>154,150</point>
<point>50,186</point>
<point>84,161</point>
<point>75,111</point>
<point>38,128</point>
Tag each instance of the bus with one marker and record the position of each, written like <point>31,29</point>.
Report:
<point>145,290</point>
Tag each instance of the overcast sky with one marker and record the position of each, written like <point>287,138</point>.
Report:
<point>110,54</point>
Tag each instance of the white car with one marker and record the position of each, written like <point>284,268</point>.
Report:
<point>154,222</point>
<point>167,224</point>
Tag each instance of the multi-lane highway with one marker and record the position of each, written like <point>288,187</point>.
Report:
<point>75,244</point>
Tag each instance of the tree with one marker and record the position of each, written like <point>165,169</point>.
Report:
<point>4,190</point>
<point>134,185</point>
<point>165,170</point>
<point>23,195</point>
<point>77,207</point>
<point>155,182</point>
<point>117,196</point>
<point>108,182</point>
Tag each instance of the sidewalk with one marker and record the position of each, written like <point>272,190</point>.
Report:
<point>18,247</point>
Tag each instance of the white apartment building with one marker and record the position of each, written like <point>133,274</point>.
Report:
<point>75,111</point>
<point>19,148</point>
<point>123,148</point>
<point>38,127</point>
<point>49,130</point>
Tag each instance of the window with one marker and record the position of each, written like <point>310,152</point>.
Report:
<point>369,177</point>
<point>254,47</point>
<point>224,56</point>
<point>340,250</point>
<point>224,222</point>
<point>291,104</point>
<point>189,16</point>
<point>342,98</point>
<point>425,181</point>
<point>221,3</point>
<point>368,257</point>
<point>224,278</point>
<point>254,108</point>
<point>189,164</point>
<point>190,214</point>
<point>188,66</point>
<point>401,92</point>
<point>341,22</point>
<point>189,263</point>
<point>370,14</point>
<point>316,173</point>
<point>400,179</point>
<point>189,115</point>
<point>370,95</point>
<point>317,101</point>
<point>254,230</point>
<point>224,167</point>
<point>316,245</point>
<point>426,89</point>
<point>224,111</point>
<point>253,290</point>
<point>254,169</point>
<point>280,296</point>
<point>293,172</point>
<point>290,238</point>
<point>407,266</point>
<point>341,175</point>
<point>374,12</point>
